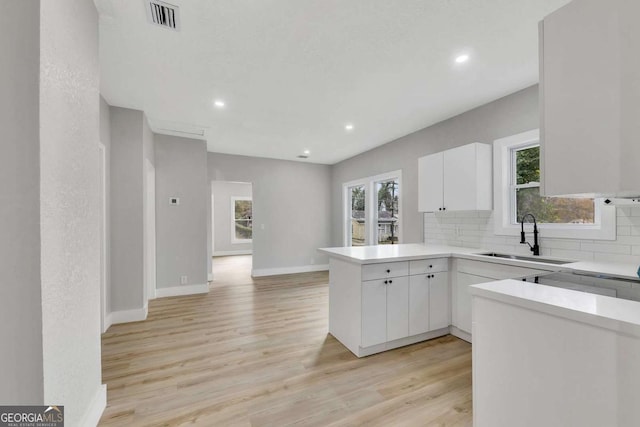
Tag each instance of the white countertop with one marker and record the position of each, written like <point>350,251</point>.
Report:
<point>385,253</point>
<point>614,269</point>
<point>404,252</point>
<point>598,310</point>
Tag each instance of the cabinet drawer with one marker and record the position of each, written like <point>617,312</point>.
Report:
<point>384,270</point>
<point>424,266</point>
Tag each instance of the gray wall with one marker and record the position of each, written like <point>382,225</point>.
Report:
<point>222,192</point>
<point>507,116</point>
<point>20,299</point>
<point>181,231</point>
<point>127,209</point>
<point>69,206</point>
<point>148,154</point>
<point>105,139</point>
<point>290,199</point>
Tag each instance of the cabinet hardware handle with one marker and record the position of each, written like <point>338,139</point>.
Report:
<point>386,281</point>
<point>444,209</point>
<point>439,209</point>
<point>431,266</point>
<point>388,271</point>
<point>390,281</point>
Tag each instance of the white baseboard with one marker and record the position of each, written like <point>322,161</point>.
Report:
<point>228,253</point>
<point>97,406</point>
<point>126,316</point>
<point>460,334</point>
<point>108,321</point>
<point>261,272</point>
<point>210,277</point>
<point>182,290</point>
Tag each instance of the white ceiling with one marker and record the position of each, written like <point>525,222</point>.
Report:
<point>293,72</point>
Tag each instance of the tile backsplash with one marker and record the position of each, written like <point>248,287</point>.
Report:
<point>475,229</point>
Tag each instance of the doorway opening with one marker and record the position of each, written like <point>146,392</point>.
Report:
<point>231,229</point>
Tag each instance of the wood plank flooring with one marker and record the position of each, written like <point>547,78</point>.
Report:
<point>256,352</point>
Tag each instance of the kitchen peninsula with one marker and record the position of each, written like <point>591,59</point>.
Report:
<point>385,297</point>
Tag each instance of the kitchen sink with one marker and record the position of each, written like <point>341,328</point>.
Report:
<point>526,258</point>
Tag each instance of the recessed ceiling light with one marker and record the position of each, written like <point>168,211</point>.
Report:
<point>462,58</point>
<point>218,103</point>
<point>348,126</point>
<point>307,152</point>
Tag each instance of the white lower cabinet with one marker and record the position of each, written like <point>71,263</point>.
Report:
<point>374,312</point>
<point>439,301</point>
<point>429,303</point>
<point>397,308</point>
<point>462,316</point>
<point>469,273</point>
<point>378,307</point>
<point>385,314</point>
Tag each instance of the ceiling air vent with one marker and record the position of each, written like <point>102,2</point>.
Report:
<point>163,14</point>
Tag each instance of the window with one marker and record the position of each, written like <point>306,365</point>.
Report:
<point>525,193</point>
<point>242,219</point>
<point>387,211</point>
<point>517,175</point>
<point>372,210</point>
<point>357,215</point>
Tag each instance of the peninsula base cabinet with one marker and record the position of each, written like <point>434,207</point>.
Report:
<point>399,303</point>
<point>382,306</point>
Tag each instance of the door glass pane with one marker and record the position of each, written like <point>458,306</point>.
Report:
<point>357,218</point>
<point>243,219</point>
<point>387,212</point>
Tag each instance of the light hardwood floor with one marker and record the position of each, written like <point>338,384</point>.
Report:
<point>255,352</point>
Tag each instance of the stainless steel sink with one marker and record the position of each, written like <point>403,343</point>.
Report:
<point>526,258</point>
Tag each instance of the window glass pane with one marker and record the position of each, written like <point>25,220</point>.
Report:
<point>553,209</point>
<point>358,221</point>
<point>527,165</point>
<point>243,219</point>
<point>387,212</point>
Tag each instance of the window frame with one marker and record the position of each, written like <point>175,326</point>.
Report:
<point>234,239</point>
<point>604,227</point>
<point>370,203</point>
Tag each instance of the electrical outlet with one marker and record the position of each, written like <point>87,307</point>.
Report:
<point>184,280</point>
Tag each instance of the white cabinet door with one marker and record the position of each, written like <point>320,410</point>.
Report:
<point>374,312</point>
<point>462,307</point>
<point>459,178</point>
<point>590,98</point>
<point>419,304</point>
<point>439,301</point>
<point>397,308</point>
<point>468,178</point>
<point>430,183</point>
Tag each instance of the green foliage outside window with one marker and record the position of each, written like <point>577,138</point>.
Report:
<point>556,210</point>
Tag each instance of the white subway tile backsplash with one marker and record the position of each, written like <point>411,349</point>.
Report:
<point>606,248</point>
<point>572,255</point>
<point>624,230</point>
<point>560,244</point>
<point>604,257</point>
<point>475,230</point>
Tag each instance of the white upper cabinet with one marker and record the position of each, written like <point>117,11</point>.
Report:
<point>590,99</point>
<point>456,180</point>
<point>430,182</point>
